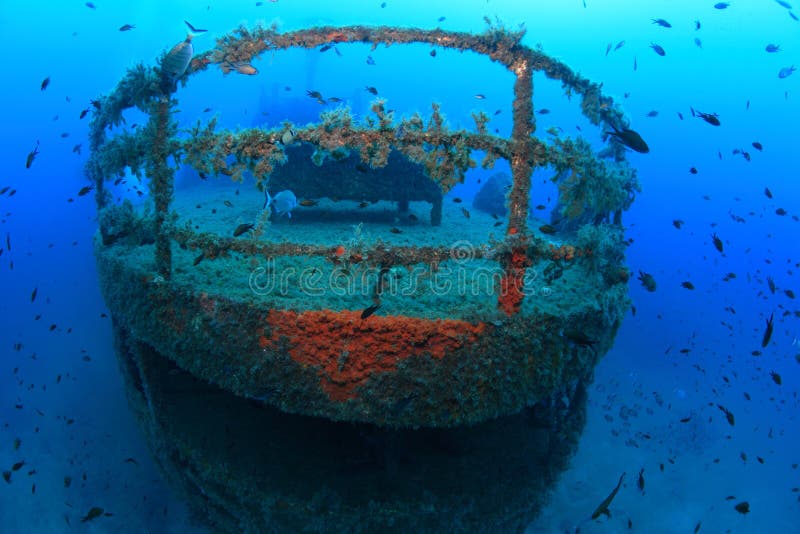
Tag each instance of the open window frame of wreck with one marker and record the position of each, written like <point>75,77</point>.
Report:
<point>373,328</point>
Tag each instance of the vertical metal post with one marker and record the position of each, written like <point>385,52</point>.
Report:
<point>516,262</point>
<point>161,184</point>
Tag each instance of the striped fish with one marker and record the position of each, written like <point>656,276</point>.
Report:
<point>175,62</point>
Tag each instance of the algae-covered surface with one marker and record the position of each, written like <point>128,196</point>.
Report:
<point>466,286</point>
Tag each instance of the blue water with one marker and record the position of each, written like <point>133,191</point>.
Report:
<point>79,426</point>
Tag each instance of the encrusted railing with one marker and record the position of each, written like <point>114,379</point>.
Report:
<point>594,188</point>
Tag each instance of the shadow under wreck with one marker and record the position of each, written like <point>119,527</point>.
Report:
<point>328,380</point>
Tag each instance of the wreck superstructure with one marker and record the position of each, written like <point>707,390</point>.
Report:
<point>353,379</point>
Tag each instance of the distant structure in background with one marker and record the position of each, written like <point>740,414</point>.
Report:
<point>400,374</point>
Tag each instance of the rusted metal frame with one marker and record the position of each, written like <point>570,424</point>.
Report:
<point>161,184</point>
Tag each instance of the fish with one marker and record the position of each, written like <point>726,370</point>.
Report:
<point>432,53</point>
<point>83,113</point>
<point>742,507</point>
<point>242,67</point>
<point>772,48</point>
<point>283,202</point>
<point>768,331</point>
<point>192,28</point>
<point>441,19</point>
<point>658,49</point>
<point>602,508</point>
<point>722,5</point>
<point>85,190</point>
<point>630,139</point>
<point>90,5</point>
<point>242,228</point>
<point>697,25</point>
<point>647,281</point>
<point>780,211</point>
<point>32,155</point>
<point>370,61</point>
<point>698,43</point>
<point>287,137</point>
<point>314,94</point>
<point>93,513</point>
<point>199,258</point>
<point>465,212</point>
<point>771,284</point>
<point>480,96</point>
<point>547,229</point>
<point>785,72</point>
<point>758,146</point>
<point>608,47</point>
<point>717,242</point>
<point>640,481</point>
<point>175,62</point>
<point>370,310</point>
<point>677,223</point>
<point>663,23</point>
<point>371,90</point>
<point>693,170</point>
<point>687,285</point>
<point>395,230</point>
<point>77,149</point>
<point>710,118</point>
<point>45,83</point>
<point>781,3</point>
<point>127,27</point>
<point>543,111</point>
<point>728,414</point>
<point>776,377</point>
<point>652,113</point>
<point>619,45</point>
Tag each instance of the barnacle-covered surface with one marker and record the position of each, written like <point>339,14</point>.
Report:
<point>378,303</point>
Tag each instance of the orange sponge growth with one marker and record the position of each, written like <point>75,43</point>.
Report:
<point>511,285</point>
<point>347,350</point>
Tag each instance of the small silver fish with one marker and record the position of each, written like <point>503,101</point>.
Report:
<point>241,67</point>
<point>283,202</point>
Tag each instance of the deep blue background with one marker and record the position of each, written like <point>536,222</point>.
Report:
<point>85,54</point>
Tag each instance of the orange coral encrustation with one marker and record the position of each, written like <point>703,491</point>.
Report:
<point>511,285</point>
<point>348,350</point>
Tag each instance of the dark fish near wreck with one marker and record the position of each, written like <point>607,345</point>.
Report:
<point>32,156</point>
<point>192,28</point>
<point>710,118</point>
<point>630,139</point>
<point>369,311</point>
<point>602,508</point>
<point>768,331</point>
<point>242,228</point>
<point>647,281</point>
<point>717,242</point>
